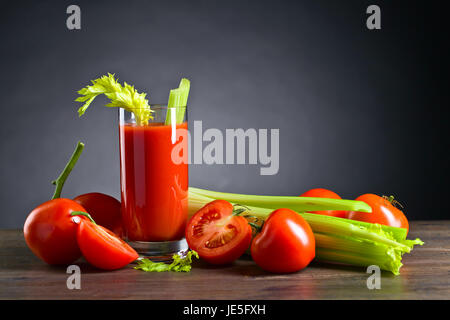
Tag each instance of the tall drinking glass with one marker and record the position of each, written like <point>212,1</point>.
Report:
<point>154,182</point>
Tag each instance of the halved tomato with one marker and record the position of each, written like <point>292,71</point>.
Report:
<point>218,233</point>
<point>103,248</point>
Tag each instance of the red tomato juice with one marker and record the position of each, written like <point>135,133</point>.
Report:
<point>154,188</point>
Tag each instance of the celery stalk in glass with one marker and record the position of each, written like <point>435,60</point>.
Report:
<point>177,102</point>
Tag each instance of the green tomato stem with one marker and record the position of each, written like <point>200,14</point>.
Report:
<point>59,182</point>
<point>81,213</point>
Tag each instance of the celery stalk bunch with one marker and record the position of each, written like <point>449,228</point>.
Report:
<point>338,240</point>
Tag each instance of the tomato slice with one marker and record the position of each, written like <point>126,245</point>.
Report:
<point>218,235</point>
<point>102,248</point>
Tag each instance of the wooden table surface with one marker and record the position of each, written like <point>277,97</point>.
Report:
<point>425,275</point>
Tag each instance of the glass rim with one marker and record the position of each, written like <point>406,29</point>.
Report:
<point>155,106</point>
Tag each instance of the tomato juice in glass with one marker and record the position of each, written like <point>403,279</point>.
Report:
<point>154,181</point>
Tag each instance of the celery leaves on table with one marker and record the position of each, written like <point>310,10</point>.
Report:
<point>179,264</point>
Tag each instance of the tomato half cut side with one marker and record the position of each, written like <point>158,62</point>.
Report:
<point>218,235</point>
<point>102,248</point>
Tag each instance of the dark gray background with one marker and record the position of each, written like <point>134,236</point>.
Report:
<point>358,111</point>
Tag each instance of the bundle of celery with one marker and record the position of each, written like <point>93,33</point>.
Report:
<point>338,240</point>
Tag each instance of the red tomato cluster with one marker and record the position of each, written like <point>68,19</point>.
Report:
<point>220,236</point>
<point>58,237</point>
<point>59,231</point>
<point>383,212</point>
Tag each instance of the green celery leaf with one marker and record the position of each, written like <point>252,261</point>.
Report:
<point>179,264</point>
<point>149,266</point>
<point>183,264</point>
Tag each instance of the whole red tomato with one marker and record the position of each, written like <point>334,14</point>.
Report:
<point>51,233</point>
<point>324,193</point>
<point>383,212</point>
<point>217,234</point>
<point>102,248</point>
<point>286,243</point>
<point>104,209</point>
